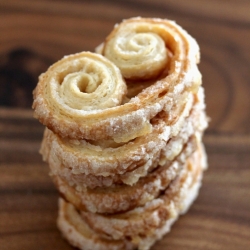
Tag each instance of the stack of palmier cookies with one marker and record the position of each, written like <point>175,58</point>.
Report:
<point>124,134</point>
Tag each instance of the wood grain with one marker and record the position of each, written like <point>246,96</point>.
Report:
<point>220,217</point>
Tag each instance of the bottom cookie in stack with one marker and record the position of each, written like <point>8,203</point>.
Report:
<point>138,228</point>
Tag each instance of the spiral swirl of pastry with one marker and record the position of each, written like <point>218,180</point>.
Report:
<point>82,84</point>
<point>93,84</point>
<point>97,111</point>
<point>138,49</point>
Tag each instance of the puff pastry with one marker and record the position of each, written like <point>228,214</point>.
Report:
<point>120,198</point>
<point>114,120</point>
<point>123,136</point>
<point>141,227</point>
<point>90,165</point>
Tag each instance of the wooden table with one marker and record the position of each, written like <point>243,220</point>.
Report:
<point>220,217</point>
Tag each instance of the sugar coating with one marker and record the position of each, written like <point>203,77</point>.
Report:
<point>146,220</point>
<point>124,134</point>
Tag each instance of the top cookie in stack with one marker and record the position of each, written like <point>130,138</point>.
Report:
<point>124,134</point>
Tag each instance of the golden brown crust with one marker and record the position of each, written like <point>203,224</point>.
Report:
<point>86,165</point>
<point>124,134</point>
<point>146,219</point>
<point>120,198</point>
<point>80,235</point>
<point>141,227</point>
<point>102,159</point>
<point>127,121</point>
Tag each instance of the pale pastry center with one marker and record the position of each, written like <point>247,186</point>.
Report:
<point>91,84</point>
<point>139,51</point>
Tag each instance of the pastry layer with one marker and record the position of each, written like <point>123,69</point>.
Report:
<point>59,98</point>
<point>139,228</point>
<point>87,164</point>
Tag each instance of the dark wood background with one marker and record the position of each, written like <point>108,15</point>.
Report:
<point>34,34</point>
